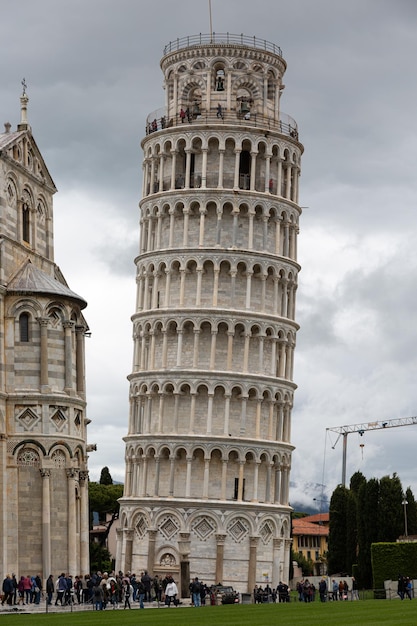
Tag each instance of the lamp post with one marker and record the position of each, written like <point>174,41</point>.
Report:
<point>404,503</point>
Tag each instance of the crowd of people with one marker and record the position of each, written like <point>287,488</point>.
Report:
<point>271,594</point>
<point>405,587</point>
<point>102,590</point>
<point>121,590</point>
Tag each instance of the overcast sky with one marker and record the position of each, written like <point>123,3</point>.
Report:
<point>92,73</point>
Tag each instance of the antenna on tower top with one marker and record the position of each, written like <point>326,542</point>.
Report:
<point>211,23</point>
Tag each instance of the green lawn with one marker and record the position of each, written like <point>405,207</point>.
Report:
<point>371,612</point>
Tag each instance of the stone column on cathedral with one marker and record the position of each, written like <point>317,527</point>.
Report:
<point>44,379</point>
<point>72,475</point>
<point>46,523</point>
<point>68,326</point>
<point>80,359</point>
<point>84,525</point>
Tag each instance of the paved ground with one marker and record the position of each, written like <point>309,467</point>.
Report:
<point>42,608</point>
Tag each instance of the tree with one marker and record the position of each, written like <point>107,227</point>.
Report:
<point>105,477</point>
<point>351,530</point>
<point>307,565</point>
<point>356,481</point>
<point>100,558</point>
<point>103,499</point>
<point>411,511</point>
<point>337,530</point>
<point>390,509</point>
<point>368,497</point>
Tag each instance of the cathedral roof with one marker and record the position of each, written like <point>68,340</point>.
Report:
<point>7,139</point>
<point>31,280</point>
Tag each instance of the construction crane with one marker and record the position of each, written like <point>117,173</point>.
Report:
<point>363,428</point>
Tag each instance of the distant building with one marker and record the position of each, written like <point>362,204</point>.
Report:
<point>208,448</point>
<point>43,425</point>
<point>310,538</point>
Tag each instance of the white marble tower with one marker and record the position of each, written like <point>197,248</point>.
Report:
<point>208,450</point>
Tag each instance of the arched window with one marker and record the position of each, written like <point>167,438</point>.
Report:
<point>25,223</point>
<point>24,327</point>
<point>244,169</point>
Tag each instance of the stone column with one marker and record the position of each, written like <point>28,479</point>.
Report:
<point>206,478</point>
<point>204,169</point>
<point>145,175</point>
<point>226,413</point>
<point>210,412</point>
<point>151,549</point>
<point>128,541</point>
<point>68,326</point>
<point>276,563</point>
<point>171,475</point>
<point>213,349</point>
<point>46,523</point>
<point>279,177</point>
<point>187,168</point>
<point>80,359</point>
<point>72,476</point>
<point>157,473</point>
<point>253,170</point>
<point>255,481</point>
<point>184,547</point>
<point>220,541</point>
<point>221,166</point>
<point>161,172</point>
<point>171,226</point>
<point>199,271</point>
<point>237,164</point>
<point>253,544</point>
<point>216,272</point>
<point>188,477</point>
<point>44,377</point>
<point>267,172</point>
<point>119,549</point>
<point>186,218</point>
<point>240,481</point>
<point>173,167</point>
<point>286,569</point>
<point>203,213</point>
<point>84,524</point>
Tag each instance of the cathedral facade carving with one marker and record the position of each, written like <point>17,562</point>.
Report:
<point>44,526</point>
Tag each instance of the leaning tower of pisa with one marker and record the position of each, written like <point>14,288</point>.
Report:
<point>208,449</point>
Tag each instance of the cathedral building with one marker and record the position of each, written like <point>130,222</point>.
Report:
<point>208,448</point>
<point>44,526</point>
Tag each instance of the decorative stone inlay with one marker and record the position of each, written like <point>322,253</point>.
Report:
<point>168,560</point>
<point>28,418</point>
<point>266,532</point>
<point>27,456</point>
<point>203,528</point>
<point>169,527</point>
<point>58,458</point>
<point>238,530</point>
<point>141,527</point>
<point>59,419</point>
